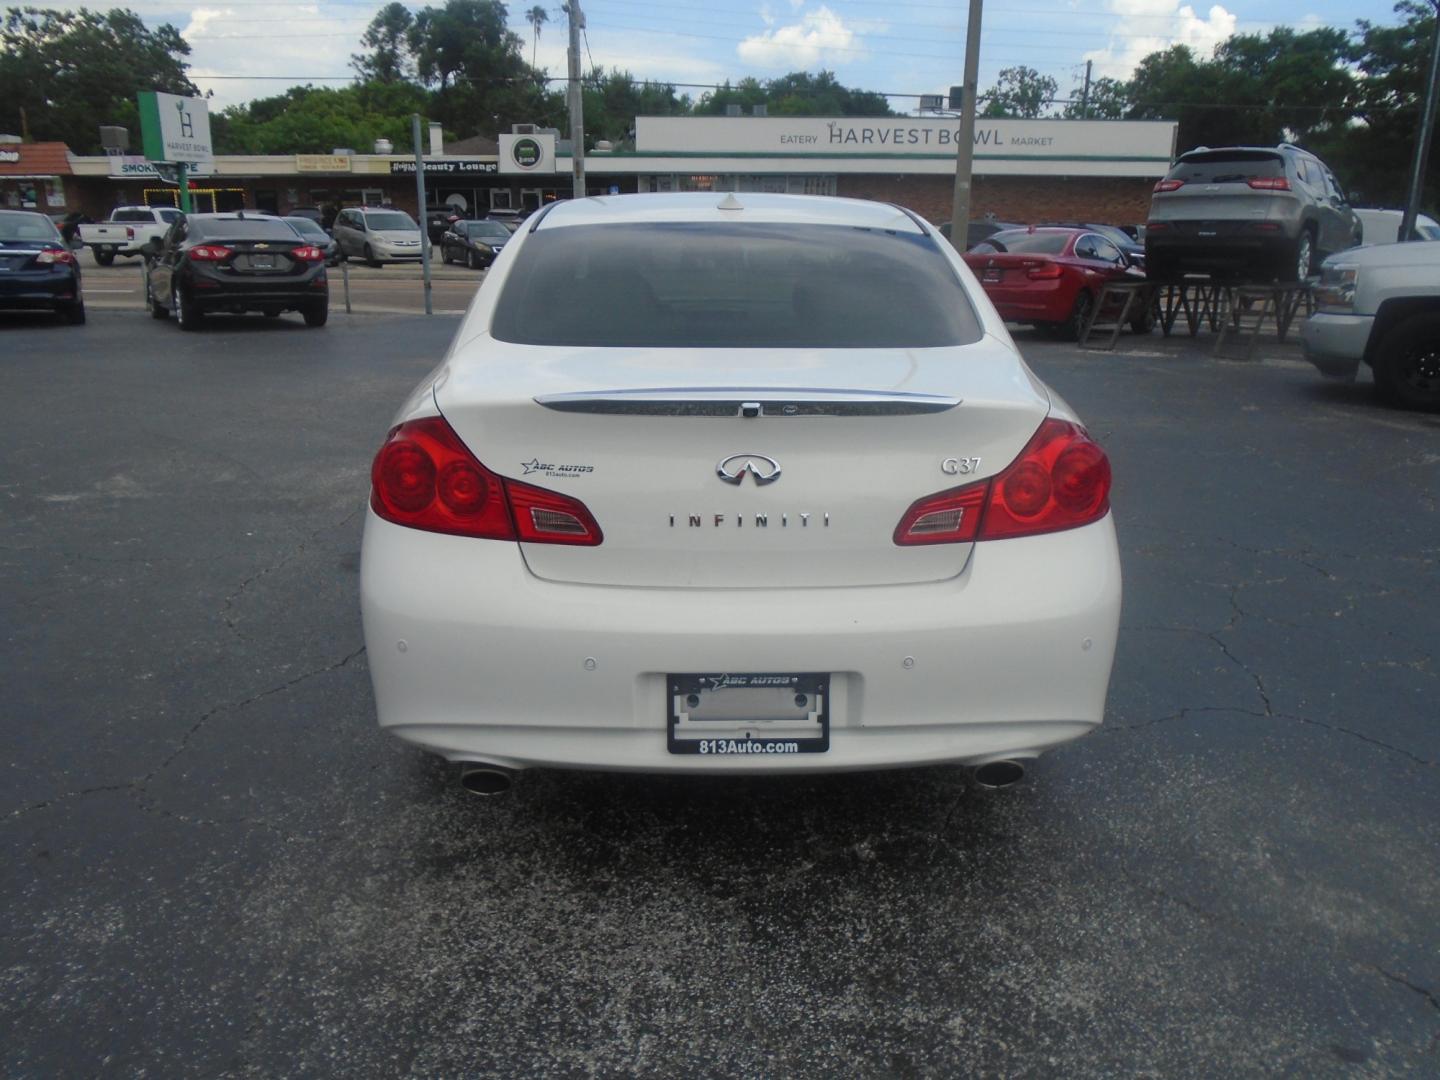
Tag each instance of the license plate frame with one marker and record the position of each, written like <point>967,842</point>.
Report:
<point>748,714</point>
<point>991,276</point>
<point>261,262</point>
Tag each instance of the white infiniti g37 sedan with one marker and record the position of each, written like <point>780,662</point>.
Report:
<point>737,484</point>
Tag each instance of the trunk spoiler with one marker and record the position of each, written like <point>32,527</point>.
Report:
<point>751,402</point>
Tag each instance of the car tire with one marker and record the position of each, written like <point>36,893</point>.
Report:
<point>153,306</point>
<point>73,312</point>
<point>370,259</point>
<point>1074,326</point>
<point>316,314</point>
<point>472,261</point>
<point>1144,322</point>
<point>1407,364</point>
<point>104,257</point>
<point>1302,260</point>
<point>187,312</point>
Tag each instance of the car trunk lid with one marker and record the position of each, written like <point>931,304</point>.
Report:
<point>823,452</point>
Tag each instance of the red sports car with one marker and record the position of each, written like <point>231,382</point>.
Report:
<point>1051,277</point>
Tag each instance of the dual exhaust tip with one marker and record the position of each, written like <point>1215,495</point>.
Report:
<point>487,781</point>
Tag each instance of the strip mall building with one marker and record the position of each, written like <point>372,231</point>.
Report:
<point>1025,170</point>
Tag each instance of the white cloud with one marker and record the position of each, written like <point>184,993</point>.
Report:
<point>1165,23</point>
<point>820,35</point>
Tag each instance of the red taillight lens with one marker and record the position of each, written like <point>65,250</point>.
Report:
<point>307,254</point>
<point>1061,480</point>
<point>1156,226</point>
<point>1169,185</point>
<point>1043,271</point>
<point>48,256</point>
<point>424,477</point>
<point>209,253</point>
<point>1270,183</point>
<point>129,233</point>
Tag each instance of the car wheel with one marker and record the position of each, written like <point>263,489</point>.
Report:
<point>1407,364</point>
<point>1073,327</point>
<point>1304,256</point>
<point>74,312</point>
<point>1144,322</point>
<point>104,257</point>
<point>472,261</point>
<point>187,312</point>
<point>445,254</point>
<point>370,259</point>
<point>317,314</point>
<point>156,309</point>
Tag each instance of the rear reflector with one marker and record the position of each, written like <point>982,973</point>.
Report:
<point>424,477</point>
<point>1061,480</point>
<point>1270,183</point>
<point>1169,185</point>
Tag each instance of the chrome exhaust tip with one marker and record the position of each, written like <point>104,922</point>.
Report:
<point>486,780</point>
<point>998,774</point>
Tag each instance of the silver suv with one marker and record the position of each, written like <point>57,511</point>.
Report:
<point>377,235</point>
<point>1247,212</point>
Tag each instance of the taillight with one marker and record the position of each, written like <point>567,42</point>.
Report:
<point>54,255</point>
<point>1169,185</point>
<point>424,477</point>
<point>1043,271</point>
<point>209,253</point>
<point>1270,183</point>
<point>1061,480</point>
<point>129,233</point>
<point>1156,226</point>
<point>307,254</point>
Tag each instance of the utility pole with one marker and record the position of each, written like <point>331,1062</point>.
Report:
<point>965,137</point>
<point>420,202</point>
<point>577,103</point>
<point>182,177</point>
<point>1085,94</point>
<point>1422,141</point>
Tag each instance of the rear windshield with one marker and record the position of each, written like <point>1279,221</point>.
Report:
<point>1028,243</point>
<point>733,286</point>
<point>239,229</point>
<point>27,227</point>
<point>1226,167</point>
<point>394,220</point>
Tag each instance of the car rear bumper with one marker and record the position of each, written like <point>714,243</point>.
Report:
<point>474,658</point>
<point>31,289</point>
<point>1040,301</point>
<point>1335,343</point>
<point>1231,249</point>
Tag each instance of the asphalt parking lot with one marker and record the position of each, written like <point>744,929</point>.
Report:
<point>214,864</point>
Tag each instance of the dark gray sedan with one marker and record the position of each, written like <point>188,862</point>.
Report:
<point>474,243</point>
<point>311,232</point>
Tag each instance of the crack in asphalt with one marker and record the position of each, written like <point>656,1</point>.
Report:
<point>138,786</point>
<point>289,557</point>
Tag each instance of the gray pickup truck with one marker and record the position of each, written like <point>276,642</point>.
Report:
<point>1381,306</point>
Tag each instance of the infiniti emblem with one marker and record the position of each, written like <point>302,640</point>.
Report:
<point>765,470</point>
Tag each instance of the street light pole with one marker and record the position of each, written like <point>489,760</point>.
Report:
<point>1422,142</point>
<point>965,136</point>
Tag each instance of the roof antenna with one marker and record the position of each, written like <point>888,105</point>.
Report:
<point>729,203</point>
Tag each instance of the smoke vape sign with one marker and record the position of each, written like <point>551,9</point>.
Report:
<point>526,153</point>
<point>175,128</point>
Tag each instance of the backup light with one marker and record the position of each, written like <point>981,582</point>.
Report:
<point>1061,480</point>
<point>425,478</point>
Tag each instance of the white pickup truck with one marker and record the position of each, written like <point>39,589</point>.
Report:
<point>127,231</point>
<point>1381,306</point>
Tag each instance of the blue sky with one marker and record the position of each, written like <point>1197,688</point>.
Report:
<point>251,48</point>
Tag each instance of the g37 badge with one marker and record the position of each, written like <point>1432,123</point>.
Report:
<point>960,466</point>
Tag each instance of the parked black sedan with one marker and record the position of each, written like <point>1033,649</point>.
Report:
<point>37,269</point>
<point>474,243</point>
<point>235,262</point>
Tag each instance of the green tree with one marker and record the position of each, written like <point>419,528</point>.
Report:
<point>387,39</point>
<point>1019,92</point>
<point>309,119</point>
<point>71,71</point>
<point>612,101</point>
<point>1109,100</point>
<point>536,17</point>
<point>796,94</point>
